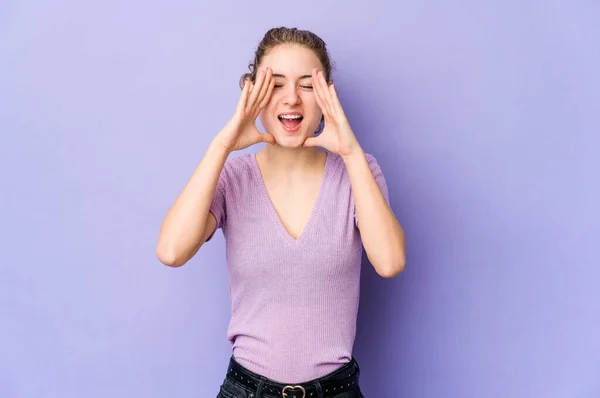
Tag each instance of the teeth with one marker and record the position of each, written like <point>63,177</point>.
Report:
<point>290,116</point>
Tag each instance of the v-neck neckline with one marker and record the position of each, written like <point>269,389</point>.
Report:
<point>271,207</point>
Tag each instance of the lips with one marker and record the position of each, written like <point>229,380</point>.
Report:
<point>291,121</point>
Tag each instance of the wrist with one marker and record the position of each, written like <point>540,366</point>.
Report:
<point>219,145</point>
<point>355,153</point>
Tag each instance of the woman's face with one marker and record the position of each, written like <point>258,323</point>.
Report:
<point>292,114</point>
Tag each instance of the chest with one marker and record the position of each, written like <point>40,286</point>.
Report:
<point>282,232</point>
<point>293,204</point>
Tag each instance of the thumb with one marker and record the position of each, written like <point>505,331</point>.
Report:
<point>311,141</point>
<point>266,137</point>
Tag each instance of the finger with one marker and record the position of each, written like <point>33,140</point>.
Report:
<point>311,141</point>
<point>317,85</point>
<point>324,92</point>
<point>325,89</point>
<point>267,96</point>
<point>255,90</point>
<point>265,87</point>
<point>244,96</point>
<point>318,96</point>
<point>337,105</point>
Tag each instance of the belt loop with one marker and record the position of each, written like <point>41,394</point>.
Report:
<point>319,389</point>
<point>261,383</point>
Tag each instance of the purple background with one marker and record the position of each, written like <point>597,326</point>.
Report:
<point>485,117</point>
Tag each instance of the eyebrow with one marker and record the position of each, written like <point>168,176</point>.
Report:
<point>301,77</point>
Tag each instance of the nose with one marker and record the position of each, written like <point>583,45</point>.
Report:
<point>291,95</point>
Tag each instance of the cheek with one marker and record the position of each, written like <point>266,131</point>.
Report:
<point>267,112</point>
<point>310,104</point>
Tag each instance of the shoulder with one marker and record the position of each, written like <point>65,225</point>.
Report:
<point>337,163</point>
<point>239,162</point>
<point>238,168</point>
<point>372,161</point>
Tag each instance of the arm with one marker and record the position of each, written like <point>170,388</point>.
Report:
<point>380,231</point>
<point>382,235</point>
<point>188,222</point>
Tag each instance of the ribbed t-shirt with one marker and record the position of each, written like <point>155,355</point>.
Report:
<point>294,302</point>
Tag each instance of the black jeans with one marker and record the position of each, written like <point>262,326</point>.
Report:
<point>242,383</point>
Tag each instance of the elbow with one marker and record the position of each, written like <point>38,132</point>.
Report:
<point>169,257</point>
<point>391,266</point>
<point>390,271</point>
<point>389,257</point>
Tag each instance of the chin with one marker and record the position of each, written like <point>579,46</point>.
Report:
<point>287,140</point>
<point>290,141</point>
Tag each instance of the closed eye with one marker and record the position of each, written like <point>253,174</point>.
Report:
<point>303,87</point>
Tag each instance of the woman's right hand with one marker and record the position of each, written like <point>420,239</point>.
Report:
<point>241,132</point>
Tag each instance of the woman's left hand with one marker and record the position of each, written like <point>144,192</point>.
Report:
<point>337,136</point>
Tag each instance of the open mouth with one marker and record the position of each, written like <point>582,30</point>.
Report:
<point>290,121</point>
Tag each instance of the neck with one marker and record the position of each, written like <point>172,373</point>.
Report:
<point>288,160</point>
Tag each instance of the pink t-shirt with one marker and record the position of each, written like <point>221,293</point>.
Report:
<point>294,301</point>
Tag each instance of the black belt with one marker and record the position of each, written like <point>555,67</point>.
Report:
<point>335,383</point>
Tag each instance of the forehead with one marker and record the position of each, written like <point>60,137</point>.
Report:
<point>291,60</point>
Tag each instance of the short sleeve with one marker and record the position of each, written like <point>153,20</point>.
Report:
<point>379,178</point>
<point>218,205</point>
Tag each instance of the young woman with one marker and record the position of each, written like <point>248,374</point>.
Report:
<point>295,217</point>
